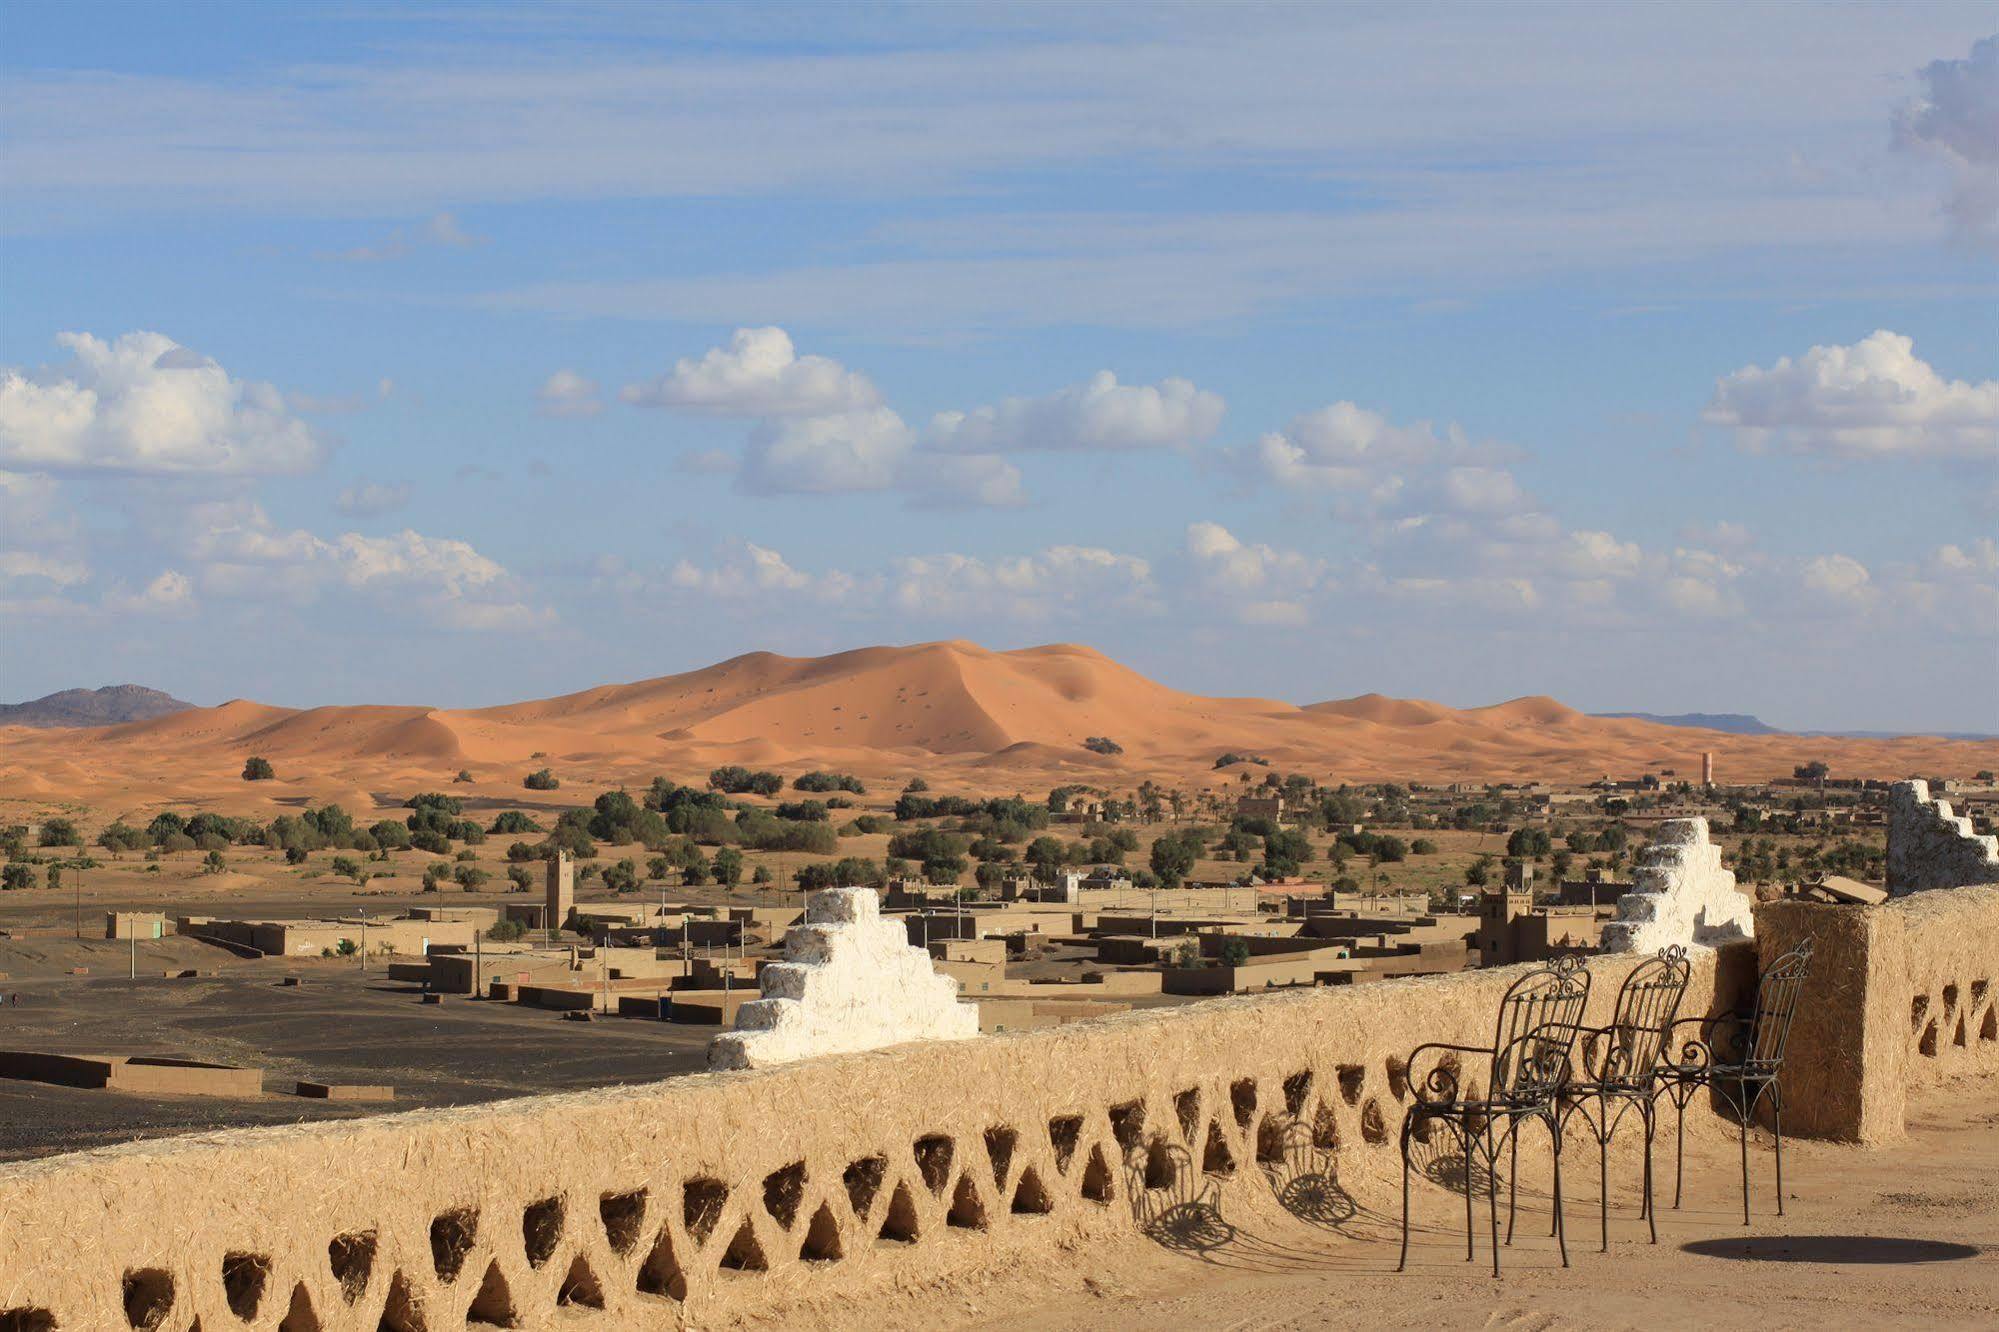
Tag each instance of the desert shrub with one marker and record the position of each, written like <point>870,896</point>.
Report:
<point>1102,744</point>
<point>119,837</point>
<point>521,852</point>
<point>1422,846</point>
<point>60,832</point>
<point>820,782</point>
<point>391,836</point>
<point>541,779</point>
<point>432,841</point>
<point>623,877</point>
<point>521,877</point>
<point>470,877</point>
<point>463,776</point>
<point>177,842</point>
<point>434,874</point>
<point>728,866</point>
<point>451,805</point>
<point>802,811</point>
<point>14,877</point>
<point>736,780</point>
<point>347,948</point>
<point>506,931</point>
<point>513,822</point>
<point>258,770</point>
<point>467,832</point>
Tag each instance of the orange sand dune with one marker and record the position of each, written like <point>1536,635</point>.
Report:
<point>962,716</point>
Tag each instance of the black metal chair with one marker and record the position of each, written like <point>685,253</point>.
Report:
<point>1739,1057</point>
<point>1528,1061</point>
<point>1618,1068</point>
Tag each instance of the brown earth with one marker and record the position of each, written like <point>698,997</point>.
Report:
<point>965,717</point>
<point>1904,1236</point>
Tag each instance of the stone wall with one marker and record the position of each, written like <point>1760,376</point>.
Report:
<point>786,1193</point>
<point>780,1192</point>
<point>1929,846</point>
<point>1901,998</point>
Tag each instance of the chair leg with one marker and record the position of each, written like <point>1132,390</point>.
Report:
<point>1492,1194</point>
<point>1679,1147</point>
<point>1561,1226</point>
<point>1777,1120</point>
<point>1645,1110</point>
<point>1464,1136</point>
<point>1603,1189</point>
<point>1742,1121</point>
<point>1512,1184</point>
<point>1403,1262</point>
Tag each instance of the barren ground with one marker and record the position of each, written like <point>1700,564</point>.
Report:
<point>1906,1236</point>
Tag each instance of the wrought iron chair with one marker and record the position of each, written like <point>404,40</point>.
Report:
<point>1618,1068</point>
<point>1739,1057</point>
<point>1528,1061</point>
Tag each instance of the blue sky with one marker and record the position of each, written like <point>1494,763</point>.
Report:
<point>1646,357</point>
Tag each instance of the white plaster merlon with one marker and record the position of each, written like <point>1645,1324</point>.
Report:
<point>1681,895</point>
<point>1929,846</point>
<point>849,981</point>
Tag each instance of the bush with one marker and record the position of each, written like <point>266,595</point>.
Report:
<point>506,931</point>
<point>258,770</point>
<point>467,832</point>
<point>463,776</point>
<point>728,867</point>
<point>1102,744</point>
<point>429,840</point>
<point>119,837</point>
<point>346,948</point>
<point>802,811</point>
<point>60,832</point>
<point>391,836</point>
<point>521,877</point>
<point>820,782</point>
<point>1422,846</point>
<point>347,867</point>
<point>521,852</point>
<point>622,877</point>
<point>541,779</point>
<point>512,823</point>
<point>13,878</point>
<point>451,805</point>
<point>735,780</point>
<point>470,877</point>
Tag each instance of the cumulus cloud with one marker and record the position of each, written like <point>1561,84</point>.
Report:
<point>20,566</point>
<point>758,571</point>
<point>369,499</point>
<point>1058,582</point>
<point>170,593</point>
<point>1874,399</point>
<point>1257,583</point>
<point>1097,415</point>
<point>975,480</point>
<point>243,554</point>
<point>1837,578</point>
<point>143,404</point>
<point>1957,121</point>
<point>817,455</point>
<point>1346,447</point>
<point>759,374</point>
<point>567,393</point>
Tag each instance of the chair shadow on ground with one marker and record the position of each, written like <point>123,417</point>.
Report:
<point>1180,1208</point>
<point>1854,1250</point>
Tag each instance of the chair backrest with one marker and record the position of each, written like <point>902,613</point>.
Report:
<point>1777,992</point>
<point>1647,1003</point>
<point>1538,1020</point>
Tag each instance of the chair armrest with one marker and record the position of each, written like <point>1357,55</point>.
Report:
<point>1440,1083</point>
<point>1697,1051</point>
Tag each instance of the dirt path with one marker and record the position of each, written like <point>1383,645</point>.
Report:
<point>1906,1236</point>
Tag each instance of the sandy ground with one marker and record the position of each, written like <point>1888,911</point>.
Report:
<point>964,717</point>
<point>1906,1236</point>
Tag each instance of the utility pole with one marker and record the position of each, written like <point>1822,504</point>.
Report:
<point>364,942</point>
<point>76,874</point>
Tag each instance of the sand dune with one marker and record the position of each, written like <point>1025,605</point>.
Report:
<point>963,716</point>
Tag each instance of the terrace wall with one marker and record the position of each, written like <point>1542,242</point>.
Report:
<point>787,1192</point>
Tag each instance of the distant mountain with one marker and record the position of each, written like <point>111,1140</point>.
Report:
<point>92,707</point>
<point>1734,723</point>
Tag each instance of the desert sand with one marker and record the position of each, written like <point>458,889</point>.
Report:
<point>965,717</point>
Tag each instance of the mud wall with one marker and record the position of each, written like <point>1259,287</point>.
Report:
<point>784,1192</point>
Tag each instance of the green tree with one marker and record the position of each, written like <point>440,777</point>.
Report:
<point>15,877</point>
<point>541,779</point>
<point>258,770</point>
<point>60,832</point>
<point>622,877</point>
<point>1173,856</point>
<point>728,866</point>
<point>1479,873</point>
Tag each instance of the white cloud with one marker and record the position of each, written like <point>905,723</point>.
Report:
<point>1957,121</point>
<point>754,571</point>
<point>24,565</point>
<point>1479,490</point>
<point>145,405</point>
<point>1100,414</point>
<point>758,374</point>
<point>1257,583</point>
<point>170,593</point>
<point>1874,399</point>
<point>974,480</point>
<point>243,554</point>
<point>369,499</point>
<point>817,455</point>
<point>567,393</point>
<point>1344,446</point>
<point>1837,578</point>
<point>1059,582</point>
<point>438,231</point>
